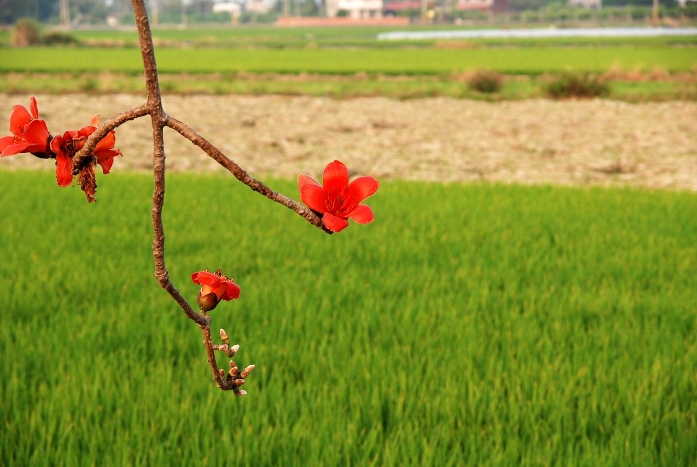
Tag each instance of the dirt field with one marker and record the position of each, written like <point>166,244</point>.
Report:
<point>536,141</point>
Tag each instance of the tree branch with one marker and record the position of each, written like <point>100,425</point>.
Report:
<point>159,119</point>
<point>241,175</point>
<point>105,127</point>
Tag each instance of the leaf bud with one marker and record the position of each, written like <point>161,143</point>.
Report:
<point>247,371</point>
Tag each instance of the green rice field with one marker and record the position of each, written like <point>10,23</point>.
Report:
<point>345,62</point>
<point>469,324</point>
<point>529,61</point>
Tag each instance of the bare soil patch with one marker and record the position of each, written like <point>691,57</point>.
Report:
<point>595,142</point>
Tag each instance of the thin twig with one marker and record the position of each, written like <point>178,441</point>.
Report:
<point>105,127</point>
<point>241,175</point>
<point>159,119</point>
<point>208,343</point>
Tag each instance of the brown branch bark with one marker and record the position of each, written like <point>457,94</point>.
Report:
<point>241,175</point>
<point>105,127</point>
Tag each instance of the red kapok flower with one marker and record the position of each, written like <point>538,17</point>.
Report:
<point>29,133</point>
<point>338,200</point>
<point>66,146</point>
<point>214,288</point>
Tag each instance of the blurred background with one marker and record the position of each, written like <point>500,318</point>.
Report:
<point>527,292</point>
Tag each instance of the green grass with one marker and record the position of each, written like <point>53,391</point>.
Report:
<point>339,61</point>
<point>398,87</point>
<point>343,62</point>
<point>468,324</point>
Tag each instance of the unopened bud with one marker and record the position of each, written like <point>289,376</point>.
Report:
<point>233,371</point>
<point>221,372</point>
<point>239,382</point>
<point>224,336</point>
<point>242,392</point>
<point>234,349</point>
<point>247,371</point>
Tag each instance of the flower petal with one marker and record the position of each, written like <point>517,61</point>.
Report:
<point>314,197</point>
<point>363,187</point>
<point>333,223</point>
<point>205,277</point>
<point>232,291</point>
<point>37,133</point>
<point>13,149</point>
<point>335,177</point>
<point>19,119</point>
<point>85,131</point>
<point>64,170</point>
<point>194,277</point>
<point>362,214</point>
<point>6,141</point>
<point>95,121</point>
<point>34,107</point>
<point>107,153</point>
<point>55,144</point>
<point>106,163</point>
<point>105,143</point>
<point>306,180</point>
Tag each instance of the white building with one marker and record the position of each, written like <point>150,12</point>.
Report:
<point>590,4</point>
<point>227,6</point>
<point>474,4</point>
<point>258,6</point>
<point>355,8</point>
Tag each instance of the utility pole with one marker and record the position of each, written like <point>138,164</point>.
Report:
<point>155,12</point>
<point>655,21</point>
<point>65,14</point>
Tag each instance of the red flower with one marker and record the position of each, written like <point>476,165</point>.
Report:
<point>66,146</point>
<point>338,200</point>
<point>214,287</point>
<point>29,133</point>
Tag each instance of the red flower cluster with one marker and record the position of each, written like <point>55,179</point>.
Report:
<point>338,200</point>
<point>30,134</point>
<point>214,288</point>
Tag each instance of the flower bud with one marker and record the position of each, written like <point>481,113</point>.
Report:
<point>214,288</point>
<point>247,371</point>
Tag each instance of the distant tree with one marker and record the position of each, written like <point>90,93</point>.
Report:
<point>10,8</point>
<point>91,11</point>
<point>522,5</point>
<point>662,3</point>
<point>309,8</point>
<point>41,10</point>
